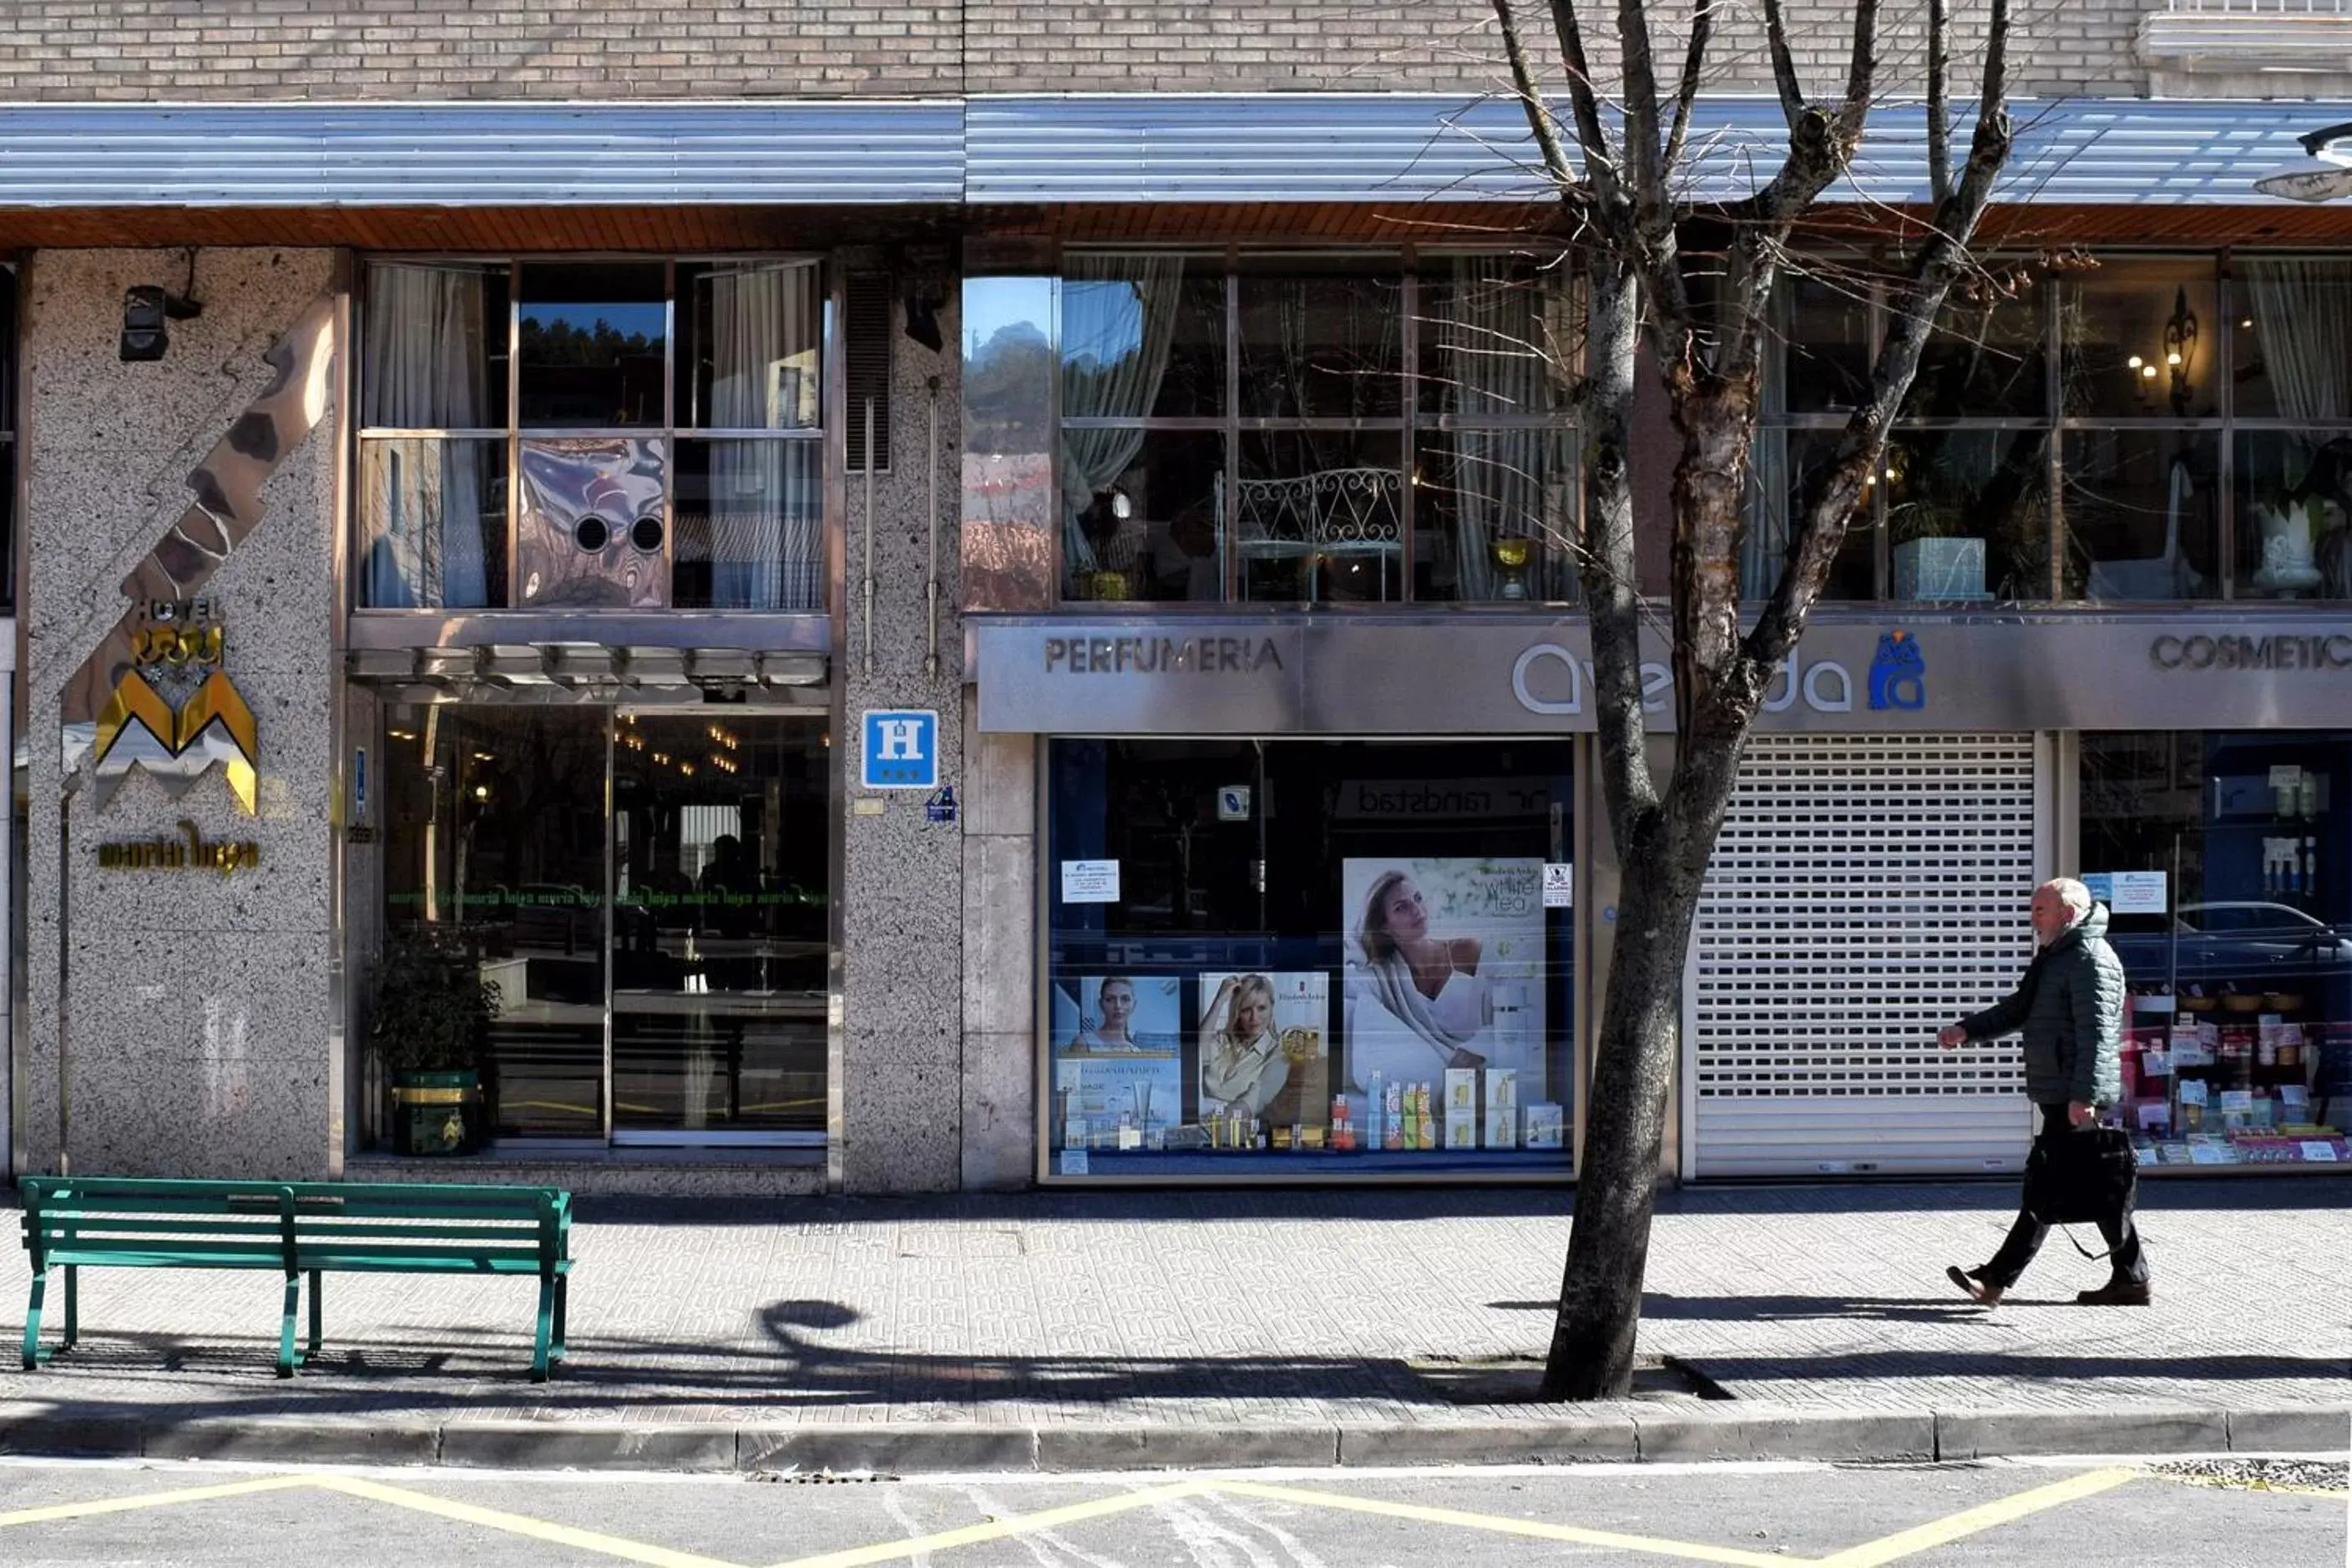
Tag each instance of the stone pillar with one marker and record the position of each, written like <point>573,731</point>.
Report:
<point>902,886</point>
<point>1000,972</point>
<point>201,1034</point>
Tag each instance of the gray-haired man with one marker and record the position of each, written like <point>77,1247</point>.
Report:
<point>2070,1009</point>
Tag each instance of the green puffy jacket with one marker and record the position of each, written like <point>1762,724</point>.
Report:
<point>2070,1008</point>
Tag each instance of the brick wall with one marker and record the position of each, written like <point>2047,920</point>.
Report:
<point>213,49</point>
<point>155,49</point>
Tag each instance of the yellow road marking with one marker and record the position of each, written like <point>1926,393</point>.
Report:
<point>150,1499</point>
<point>1688,1550</point>
<point>1943,1531</point>
<point>520,1524</point>
<point>997,1529</point>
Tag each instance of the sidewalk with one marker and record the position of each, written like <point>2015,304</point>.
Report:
<point>1098,1329</point>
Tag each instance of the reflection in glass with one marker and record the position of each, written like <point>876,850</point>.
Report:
<point>1320,516</point>
<point>1011,512</point>
<point>593,344</point>
<point>593,533</point>
<point>2141,340</point>
<point>753,333</point>
<point>1968,515</point>
<point>1829,344</point>
<point>494,836</point>
<point>1320,343</point>
<point>1495,338</point>
<point>1156,529</point>
<point>2293,511</point>
<point>1491,511</point>
<point>2139,512</point>
<point>1143,335</point>
<point>2293,342</point>
<point>1784,462</point>
<point>1985,358</point>
<point>751,526</point>
<point>433,522</point>
<point>719,932</point>
<point>432,352</point>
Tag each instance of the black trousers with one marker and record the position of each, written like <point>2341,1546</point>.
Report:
<point>2125,1258</point>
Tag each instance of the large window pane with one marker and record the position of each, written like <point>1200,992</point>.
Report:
<point>1968,515</point>
<point>2293,345</point>
<point>2240,1045</point>
<point>2140,515</point>
<point>1495,337</point>
<point>1320,516</point>
<point>1157,530</point>
<point>1326,959</point>
<point>751,526</point>
<point>1985,359</point>
<point>2294,500</point>
<point>1143,336</point>
<point>1829,339</point>
<point>749,356</point>
<point>432,523</point>
<point>1012,508</point>
<point>433,351</point>
<point>494,843</point>
<point>719,930</point>
<point>2142,341</point>
<point>1784,462</point>
<point>593,344</point>
<point>1492,511</point>
<point>1321,340</point>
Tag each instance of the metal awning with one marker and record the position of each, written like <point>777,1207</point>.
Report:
<point>1021,150</point>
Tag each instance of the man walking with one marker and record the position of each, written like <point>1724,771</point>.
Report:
<point>2070,1009</point>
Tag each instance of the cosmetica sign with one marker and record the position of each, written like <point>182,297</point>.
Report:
<point>1896,680</point>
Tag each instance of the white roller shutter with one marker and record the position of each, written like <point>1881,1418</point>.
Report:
<point>1864,892</point>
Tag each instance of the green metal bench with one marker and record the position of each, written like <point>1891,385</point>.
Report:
<point>300,1229</point>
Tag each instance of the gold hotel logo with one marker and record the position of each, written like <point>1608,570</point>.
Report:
<point>176,652</point>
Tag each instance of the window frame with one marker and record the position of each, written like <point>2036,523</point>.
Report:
<point>514,433</point>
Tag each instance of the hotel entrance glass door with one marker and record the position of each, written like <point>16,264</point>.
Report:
<point>720,937</point>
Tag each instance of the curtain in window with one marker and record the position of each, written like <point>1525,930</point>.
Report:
<point>2303,318</point>
<point>1495,370</point>
<point>1118,317</point>
<point>767,513</point>
<point>424,367</point>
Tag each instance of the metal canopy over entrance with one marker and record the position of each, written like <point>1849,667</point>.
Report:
<point>1865,891</point>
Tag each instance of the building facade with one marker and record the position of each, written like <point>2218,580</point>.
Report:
<point>928,597</point>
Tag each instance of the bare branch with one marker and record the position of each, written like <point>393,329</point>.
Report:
<point>1687,93</point>
<point>1600,160</point>
<point>1940,114</point>
<point>1861,70</point>
<point>1784,63</point>
<point>1539,120</point>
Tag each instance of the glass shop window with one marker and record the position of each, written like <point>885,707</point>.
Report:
<point>606,434</point>
<point>1308,958</point>
<point>2227,861</point>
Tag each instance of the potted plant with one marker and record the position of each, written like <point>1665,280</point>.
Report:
<point>429,1017</point>
<point>1936,555</point>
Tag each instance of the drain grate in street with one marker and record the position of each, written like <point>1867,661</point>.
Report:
<point>2260,1475</point>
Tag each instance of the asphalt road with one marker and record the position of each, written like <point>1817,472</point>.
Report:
<point>2074,1515</point>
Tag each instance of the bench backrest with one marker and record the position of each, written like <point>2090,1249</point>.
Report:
<point>296,1224</point>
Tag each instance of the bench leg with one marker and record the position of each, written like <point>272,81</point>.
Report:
<point>562,1300</point>
<point>34,1353</point>
<point>546,1330</point>
<point>316,1327</point>
<point>73,1308</point>
<point>287,1360</point>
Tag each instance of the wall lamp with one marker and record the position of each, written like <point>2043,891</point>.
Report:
<point>145,311</point>
<point>2325,174</point>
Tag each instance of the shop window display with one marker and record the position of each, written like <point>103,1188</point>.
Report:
<point>2230,868</point>
<point>1307,959</point>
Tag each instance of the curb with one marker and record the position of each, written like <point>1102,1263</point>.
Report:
<point>1602,1434</point>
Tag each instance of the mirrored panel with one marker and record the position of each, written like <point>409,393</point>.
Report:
<point>594,530</point>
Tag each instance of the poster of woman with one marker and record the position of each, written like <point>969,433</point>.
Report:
<point>1118,1057</point>
<point>1264,1054</point>
<point>1444,969</point>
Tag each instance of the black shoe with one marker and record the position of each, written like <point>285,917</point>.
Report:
<point>2115,1293</point>
<point>1973,1285</point>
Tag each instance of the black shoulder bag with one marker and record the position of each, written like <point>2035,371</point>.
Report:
<point>2089,1175</point>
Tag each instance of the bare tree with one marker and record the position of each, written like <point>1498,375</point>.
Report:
<point>1698,280</point>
